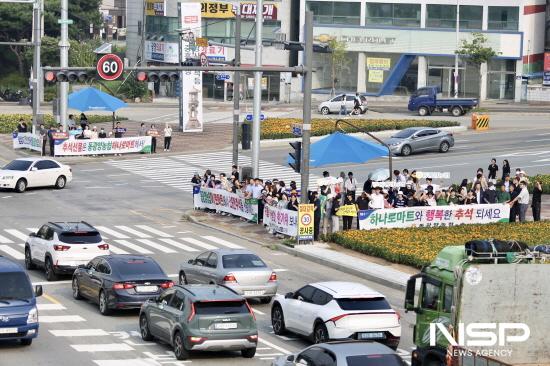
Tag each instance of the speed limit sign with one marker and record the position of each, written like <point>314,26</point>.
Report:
<point>110,67</point>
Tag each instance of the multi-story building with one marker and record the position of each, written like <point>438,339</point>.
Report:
<point>396,46</point>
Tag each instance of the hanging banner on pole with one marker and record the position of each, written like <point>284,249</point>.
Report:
<point>192,80</point>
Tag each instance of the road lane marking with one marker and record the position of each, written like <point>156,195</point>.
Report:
<point>10,251</point>
<point>117,250</point>
<point>160,247</point>
<point>178,245</point>
<point>4,240</point>
<point>274,346</point>
<point>104,347</point>
<point>133,362</point>
<point>18,234</point>
<point>114,233</point>
<point>32,229</point>
<point>79,332</point>
<point>258,311</point>
<point>48,283</point>
<point>133,231</point>
<point>222,242</point>
<point>61,319</point>
<point>199,243</point>
<point>280,270</point>
<point>92,170</point>
<point>134,247</point>
<point>155,231</point>
<point>54,306</point>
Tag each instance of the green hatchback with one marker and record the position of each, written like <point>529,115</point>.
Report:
<point>200,318</point>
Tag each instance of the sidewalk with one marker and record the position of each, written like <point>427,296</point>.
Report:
<point>370,268</point>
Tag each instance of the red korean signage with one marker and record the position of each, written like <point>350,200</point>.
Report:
<point>547,61</point>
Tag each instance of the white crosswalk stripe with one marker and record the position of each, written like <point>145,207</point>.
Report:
<point>134,247</point>
<point>46,307</point>
<point>18,234</point>
<point>61,319</point>
<point>10,251</point>
<point>160,247</point>
<point>32,229</point>
<point>79,333</point>
<point>199,243</point>
<point>178,245</point>
<point>102,347</point>
<point>222,242</point>
<point>112,232</point>
<point>117,250</point>
<point>4,240</point>
<point>133,362</point>
<point>139,234</point>
<point>154,231</point>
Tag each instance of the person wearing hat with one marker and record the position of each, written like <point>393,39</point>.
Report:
<point>400,201</point>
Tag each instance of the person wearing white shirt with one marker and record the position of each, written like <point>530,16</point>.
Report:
<point>350,185</point>
<point>167,137</point>
<point>87,134</point>
<point>376,199</point>
<point>523,200</point>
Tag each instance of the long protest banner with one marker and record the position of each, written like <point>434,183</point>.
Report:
<point>224,201</point>
<point>433,216</point>
<point>281,220</point>
<point>26,140</point>
<point>121,145</point>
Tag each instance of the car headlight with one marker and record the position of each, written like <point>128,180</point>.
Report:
<point>33,316</point>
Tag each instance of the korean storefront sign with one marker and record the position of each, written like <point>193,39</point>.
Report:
<point>433,216</point>
<point>155,7</point>
<point>212,9</point>
<point>376,76</point>
<point>162,52</point>
<point>377,63</point>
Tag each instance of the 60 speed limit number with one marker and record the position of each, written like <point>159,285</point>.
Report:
<point>110,67</point>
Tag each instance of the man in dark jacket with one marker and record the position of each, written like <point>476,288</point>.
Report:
<point>490,195</point>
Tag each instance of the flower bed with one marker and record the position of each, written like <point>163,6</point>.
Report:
<point>419,246</point>
<point>281,128</point>
<point>8,122</point>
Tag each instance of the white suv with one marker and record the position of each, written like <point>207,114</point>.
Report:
<point>337,310</point>
<point>60,247</point>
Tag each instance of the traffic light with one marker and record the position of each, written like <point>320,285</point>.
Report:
<point>295,158</point>
<point>155,76</point>
<point>72,76</point>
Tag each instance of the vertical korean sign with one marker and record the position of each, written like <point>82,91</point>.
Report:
<point>305,222</point>
<point>192,80</point>
<point>546,71</point>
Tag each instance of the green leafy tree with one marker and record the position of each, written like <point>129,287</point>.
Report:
<point>338,60</point>
<point>476,52</point>
<point>16,25</point>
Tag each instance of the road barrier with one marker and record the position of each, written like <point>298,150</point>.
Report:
<point>480,122</point>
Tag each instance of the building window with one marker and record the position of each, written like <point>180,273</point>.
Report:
<point>328,12</point>
<point>444,16</point>
<point>501,79</point>
<point>396,15</point>
<point>471,17</point>
<point>503,18</point>
<point>161,28</point>
<point>223,31</point>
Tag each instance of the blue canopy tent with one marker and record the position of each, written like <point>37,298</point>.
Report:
<point>92,99</point>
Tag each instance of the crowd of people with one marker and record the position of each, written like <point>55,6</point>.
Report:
<point>403,189</point>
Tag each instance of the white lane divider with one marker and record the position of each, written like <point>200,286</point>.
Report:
<point>114,233</point>
<point>178,245</point>
<point>160,247</point>
<point>139,234</point>
<point>154,231</point>
<point>222,242</point>
<point>79,332</point>
<point>134,247</point>
<point>199,243</point>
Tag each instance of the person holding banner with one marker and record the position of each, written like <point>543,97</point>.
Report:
<point>43,132</point>
<point>348,201</point>
<point>167,137</point>
<point>22,126</point>
<point>335,207</point>
<point>153,132</point>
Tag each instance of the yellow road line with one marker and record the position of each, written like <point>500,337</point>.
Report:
<point>51,299</point>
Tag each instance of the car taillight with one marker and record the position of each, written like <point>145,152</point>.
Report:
<point>273,277</point>
<point>123,286</point>
<point>103,246</point>
<point>197,340</point>
<point>338,317</point>
<point>167,284</point>
<point>250,309</point>
<point>230,278</point>
<point>398,316</point>
<point>253,338</point>
<point>61,248</point>
<point>192,314</point>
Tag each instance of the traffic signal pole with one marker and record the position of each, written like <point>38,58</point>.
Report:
<point>237,87</point>
<point>180,82</point>
<point>257,92</point>
<point>36,77</point>
<point>306,129</point>
<point>64,62</point>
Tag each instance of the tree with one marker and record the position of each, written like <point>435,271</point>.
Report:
<point>477,53</point>
<point>338,60</point>
<point>15,26</point>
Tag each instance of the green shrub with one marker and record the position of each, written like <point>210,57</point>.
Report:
<point>8,122</point>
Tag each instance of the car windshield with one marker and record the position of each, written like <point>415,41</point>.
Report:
<point>20,165</point>
<point>140,266</point>
<point>80,237</point>
<point>374,360</point>
<point>15,285</point>
<point>371,303</point>
<point>221,307</point>
<point>242,261</point>
<point>404,134</point>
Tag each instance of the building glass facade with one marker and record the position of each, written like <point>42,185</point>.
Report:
<point>503,18</point>
<point>444,16</point>
<point>396,15</point>
<point>331,12</point>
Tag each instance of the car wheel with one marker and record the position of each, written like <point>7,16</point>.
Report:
<point>76,289</point>
<point>423,111</point>
<point>406,150</point>
<point>26,342</point>
<point>60,182</point>
<point>103,306</point>
<point>28,260</point>
<point>320,333</point>
<point>50,272</point>
<point>144,328</point>
<point>444,147</point>
<point>179,347</point>
<point>21,186</point>
<point>182,278</point>
<point>456,111</point>
<point>266,300</point>
<point>325,111</point>
<point>248,352</point>
<point>278,320</point>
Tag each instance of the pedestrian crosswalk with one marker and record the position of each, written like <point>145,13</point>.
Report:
<point>128,239</point>
<point>177,171</point>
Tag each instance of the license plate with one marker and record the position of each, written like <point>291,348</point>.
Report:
<point>147,288</point>
<point>254,293</point>
<point>373,335</point>
<point>8,330</point>
<point>225,326</point>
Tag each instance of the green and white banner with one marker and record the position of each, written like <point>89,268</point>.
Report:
<point>26,140</point>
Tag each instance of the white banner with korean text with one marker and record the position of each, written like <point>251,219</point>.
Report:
<point>123,145</point>
<point>433,216</point>
<point>224,201</point>
<point>281,220</point>
<point>26,140</point>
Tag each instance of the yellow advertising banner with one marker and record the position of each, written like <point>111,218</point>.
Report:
<point>155,7</point>
<point>376,63</point>
<point>219,10</point>
<point>212,9</point>
<point>376,76</point>
<point>305,221</point>
<point>347,210</point>
<point>202,42</point>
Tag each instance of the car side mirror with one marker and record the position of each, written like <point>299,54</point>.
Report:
<point>34,169</point>
<point>81,266</point>
<point>290,358</point>
<point>32,235</point>
<point>38,291</point>
<point>289,295</point>
<point>190,261</point>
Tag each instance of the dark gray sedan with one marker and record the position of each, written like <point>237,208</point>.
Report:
<point>418,139</point>
<point>240,269</point>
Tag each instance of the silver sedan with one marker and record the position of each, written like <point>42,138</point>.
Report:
<point>417,139</point>
<point>239,269</point>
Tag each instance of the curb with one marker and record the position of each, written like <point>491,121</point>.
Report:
<point>309,257</point>
<point>379,134</point>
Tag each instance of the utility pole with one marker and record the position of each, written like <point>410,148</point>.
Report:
<point>237,86</point>
<point>457,45</point>
<point>36,77</point>
<point>257,110</point>
<point>306,128</point>
<point>64,61</point>
<point>179,83</point>
<point>144,15</point>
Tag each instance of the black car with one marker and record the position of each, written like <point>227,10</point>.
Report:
<point>120,281</point>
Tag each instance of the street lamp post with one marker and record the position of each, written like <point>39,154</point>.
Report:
<point>257,92</point>
<point>457,45</point>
